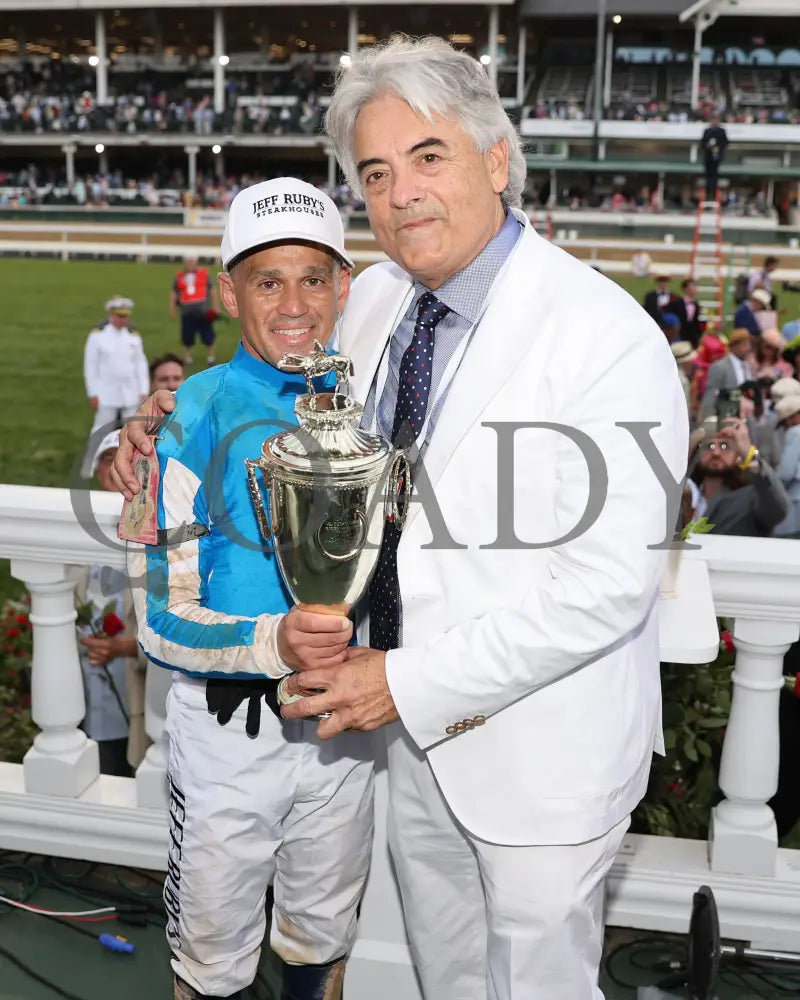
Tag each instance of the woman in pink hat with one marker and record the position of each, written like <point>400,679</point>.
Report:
<point>710,349</point>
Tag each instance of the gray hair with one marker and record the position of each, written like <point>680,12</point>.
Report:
<point>431,77</point>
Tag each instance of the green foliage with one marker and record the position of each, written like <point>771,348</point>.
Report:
<point>683,785</point>
<point>702,526</point>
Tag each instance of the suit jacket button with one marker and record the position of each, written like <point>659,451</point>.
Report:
<point>460,727</point>
<point>450,730</point>
<point>469,723</point>
<point>479,720</point>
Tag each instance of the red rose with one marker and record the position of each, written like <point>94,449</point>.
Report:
<point>23,620</point>
<point>12,633</point>
<point>797,685</point>
<point>112,625</point>
<point>726,641</point>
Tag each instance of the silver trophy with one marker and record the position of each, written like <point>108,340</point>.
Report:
<point>331,487</point>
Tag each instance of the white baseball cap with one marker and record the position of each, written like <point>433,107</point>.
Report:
<point>281,209</point>
<point>110,441</point>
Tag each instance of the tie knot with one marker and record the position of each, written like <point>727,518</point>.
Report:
<point>431,310</point>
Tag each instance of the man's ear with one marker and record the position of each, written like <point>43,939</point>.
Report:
<point>497,163</point>
<point>227,293</point>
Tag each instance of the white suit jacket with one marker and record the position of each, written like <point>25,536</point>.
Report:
<point>555,647</point>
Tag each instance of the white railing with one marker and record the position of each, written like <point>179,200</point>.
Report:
<point>56,803</point>
<point>142,243</point>
<point>145,243</point>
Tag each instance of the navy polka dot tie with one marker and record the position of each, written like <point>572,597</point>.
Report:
<point>413,390</point>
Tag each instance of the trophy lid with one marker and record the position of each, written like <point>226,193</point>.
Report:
<point>328,440</point>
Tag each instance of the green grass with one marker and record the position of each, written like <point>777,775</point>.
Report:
<point>49,306</point>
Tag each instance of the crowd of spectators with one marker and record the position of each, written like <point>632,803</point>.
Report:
<point>664,103</point>
<point>743,400</point>
<point>61,97</point>
<point>166,189</point>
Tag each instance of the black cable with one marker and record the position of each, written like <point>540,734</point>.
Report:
<point>75,927</point>
<point>138,893</point>
<point>35,975</point>
<point>637,946</point>
<point>761,972</point>
<point>144,874</point>
<point>105,895</point>
<point>50,863</point>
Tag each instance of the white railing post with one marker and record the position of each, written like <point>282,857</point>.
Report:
<point>743,838</point>
<point>151,774</point>
<point>62,760</point>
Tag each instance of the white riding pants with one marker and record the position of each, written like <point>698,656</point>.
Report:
<point>283,808</point>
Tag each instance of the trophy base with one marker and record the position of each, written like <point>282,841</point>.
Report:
<point>290,699</point>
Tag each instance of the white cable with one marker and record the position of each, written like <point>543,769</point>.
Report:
<point>57,913</point>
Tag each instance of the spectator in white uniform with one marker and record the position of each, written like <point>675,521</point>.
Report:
<point>115,370</point>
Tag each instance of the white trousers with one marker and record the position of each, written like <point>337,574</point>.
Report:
<point>488,920</point>
<point>111,414</point>
<point>282,808</point>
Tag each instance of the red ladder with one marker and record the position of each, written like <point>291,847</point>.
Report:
<point>706,270</point>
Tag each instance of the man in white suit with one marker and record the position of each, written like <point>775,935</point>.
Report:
<point>520,654</point>
<point>511,649</point>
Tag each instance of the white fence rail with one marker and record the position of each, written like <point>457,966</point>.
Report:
<point>144,243</point>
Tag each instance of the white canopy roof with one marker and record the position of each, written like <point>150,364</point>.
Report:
<point>712,9</point>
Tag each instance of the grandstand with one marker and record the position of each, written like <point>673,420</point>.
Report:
<point>212,96</point>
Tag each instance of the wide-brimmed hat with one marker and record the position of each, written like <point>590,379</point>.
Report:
<point>773,338</point>
<point>787,407</point>
<point>682,351</point>
<point>783,387</point>
<point>762,295</point>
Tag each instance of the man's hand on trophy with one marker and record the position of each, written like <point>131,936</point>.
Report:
<point>308,641</point>
<point>355,693</point>
<point>136,434</point>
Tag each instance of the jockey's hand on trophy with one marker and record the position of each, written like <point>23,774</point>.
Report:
<point>136,434</point>
<point>307,640</point>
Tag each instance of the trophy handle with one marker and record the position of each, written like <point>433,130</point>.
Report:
<point>399,493</point>
<point>255,495</point>
<point>351,553</point>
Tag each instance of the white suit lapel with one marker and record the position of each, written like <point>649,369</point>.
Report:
<point>364,338</point>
